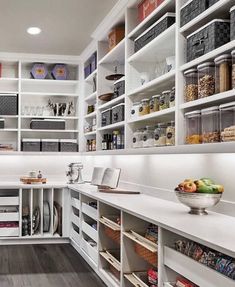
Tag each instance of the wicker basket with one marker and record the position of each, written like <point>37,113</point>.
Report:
<point>112,234</point>
<point>147,255</point>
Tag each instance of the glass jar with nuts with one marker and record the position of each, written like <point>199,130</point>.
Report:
<point>193,127</point>
<point>210,125</point>
<point>206,80</point>
<point>191,85</point>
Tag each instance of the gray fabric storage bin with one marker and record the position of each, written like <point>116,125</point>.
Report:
<point>119,88</point>
<point>47,124</point>
<point>118,113</point>
<point>31,145</point>
<point>191,10</point>
<point>155,30</point>
<point>68,145</point>
<point>106,117</point>
<point>50,145</point>
<point>8,104</point>
<point>232,27</point>
<point>2,123</point>
<point>209,37</point>
<point>212,2</point>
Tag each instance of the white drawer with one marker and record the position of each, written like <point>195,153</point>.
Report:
<point>9,216</point>
<point>75,203</point>
<point>75,219</point>
<point>90,231</point>
<point>75,236</point>
<point>90,211</point>
<point>9,231</point>
<point>89,250</point>
<point>9,200</point>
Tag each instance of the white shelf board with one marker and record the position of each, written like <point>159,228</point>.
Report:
<point>90,77</point>
<point>150,87</point>
<point>215,99</point>
<point>49,94</point>
<point>91,115</point>
<point>90,133</point>
<point>110,277</point>
<point>8,130</point>
<point>49,117</point>
<point>209,56</point>
<point>117,54</point>
<point>157,47</point>
<point>91,97</point>
<point>112,126</point>
<point>8,92</point>
<point>153,116</point>
<point>111,103</point>
<point>166,6</point>
<point>39,153</point>
<point>2,79</point>
<point>9,116</point>
<point>49,131</point>
<point>219,10</point>
<point>49,81</point>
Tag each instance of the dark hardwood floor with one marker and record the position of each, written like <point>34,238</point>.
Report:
<point>53,265</point>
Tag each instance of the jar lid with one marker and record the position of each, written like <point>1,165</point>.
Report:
<point>231,104</point>
<point>166,92</point>
<point>211,109</point>
<point>194,70</point>
<point>156,96</point>
<point>145,100</point>
<point>173,88</point>
<point>204,65</point>
<point>197,112</point>
<point>221,58</point>
<point>233,8</point>
<point>233,51</point>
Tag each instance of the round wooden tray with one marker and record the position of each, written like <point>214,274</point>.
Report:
<point>32,180</point>
<point>106,97</point>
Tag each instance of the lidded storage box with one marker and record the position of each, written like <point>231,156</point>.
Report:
<point>116,36</point>
<point>39,71</point>
<point>60,72</point>
<point>155,30</point>
<point>47,124</point>
<point>8,104</point>
<point>193,127</point>
<point>31,145</point>
<point>119,87</point>
<point>146,7</point>
<point>68,145</point>
<point>118,113</point>
<point>50,145</point>
<point>191,9</point>
<point>210,125</point>
<point>209,37</point>
<point>227,122</point>
<point>106,117</point>
<point>135,110</point>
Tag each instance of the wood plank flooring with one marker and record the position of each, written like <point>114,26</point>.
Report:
<point>53,265</point>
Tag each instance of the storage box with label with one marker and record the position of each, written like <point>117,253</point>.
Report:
<point>8,104</point>
<point>31,144</point>
<point>60,72</point>
<point>191,9</point>
<point>39,71</point>
<point>106,117</point>
<point>47,124</point>
<point>118,113</point>
<point>146,7</point>
<point>119,87</point>
<point>209,37</point>
<point>50,145</point>
<point>115,36</point>
<point>68,145</point>
<point>155,30</point>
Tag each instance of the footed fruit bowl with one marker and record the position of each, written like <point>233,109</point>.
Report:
<point>198,202</point>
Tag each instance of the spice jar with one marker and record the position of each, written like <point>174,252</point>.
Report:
<point>160,135</point>
<point>193,127</point>
<point>191,85</point>
<point>154,104</point>
<point>164,100</point>
<point>137,140</point>
<point>172,98</point>
<point>206,80</point>
<point>210,125</point>
<point>233,69</point>
<point>144,107</point>
<point>227,122</point>
<point>170,133</point>
<point>148,136</point>
<point>135,110</point>
<point>223,73</point>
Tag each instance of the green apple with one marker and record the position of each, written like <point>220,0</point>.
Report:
<point>207,181</point>
<point>199,183</point>
<point>206,189</point>
<point>217,188</point>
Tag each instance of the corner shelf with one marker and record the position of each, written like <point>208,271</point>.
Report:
<point>49,81</point>
<point>116,54</point>
<point>111,103</point>
<point>49,131</point>
<point>90,77</point>
<point>92,133</point>
<point>49,117</point>
<point>91,97</point>
<point>91,115</point>
<point>112,126</point>
<point>49,94</point>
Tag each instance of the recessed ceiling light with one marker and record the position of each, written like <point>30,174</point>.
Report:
<point>34,30</point>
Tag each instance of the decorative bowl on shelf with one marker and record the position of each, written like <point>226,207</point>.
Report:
<point>198,202</point>
<point>106,97</point>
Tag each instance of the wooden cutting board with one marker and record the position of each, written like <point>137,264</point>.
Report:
<point>32,180</point>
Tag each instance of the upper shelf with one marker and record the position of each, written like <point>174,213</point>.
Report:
<point>218,10</point>
<point>166,6</point>
<point>49,81</point>
<point>90,77</point>
<point>157,48</point>
<point>117,54</point>
<point>111,103</point>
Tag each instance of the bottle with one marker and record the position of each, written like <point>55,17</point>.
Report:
<point>104,142</point>
<point>39,174</point>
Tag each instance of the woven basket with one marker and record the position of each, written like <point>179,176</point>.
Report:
<point>114,235</point>
<point>147,255</point>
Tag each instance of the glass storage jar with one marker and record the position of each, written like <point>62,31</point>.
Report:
<point>160,135</point>
<point>193,127</point>
<point>154,103</point>
<point>144,107</point>
<point>170,133</point>
<point>223,66</point>
<point>172,98</point>
<point>210,125</point>
<point>137,139</point>
<point>233,69</point>
<point>206,80</point>
<point>148,136</point>
<point>227,122</point>
<point>164,100</point>
<point>191,85</point>
<point>135,110</point>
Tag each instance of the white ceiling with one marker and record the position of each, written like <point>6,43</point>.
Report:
<point>66,24</point>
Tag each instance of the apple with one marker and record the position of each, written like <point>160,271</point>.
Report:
<point>190,187</point>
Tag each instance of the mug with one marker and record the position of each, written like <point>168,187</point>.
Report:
<point>33,174</point>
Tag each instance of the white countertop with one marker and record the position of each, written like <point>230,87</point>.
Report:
<point>216,229</point>
<point>18,184</point>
